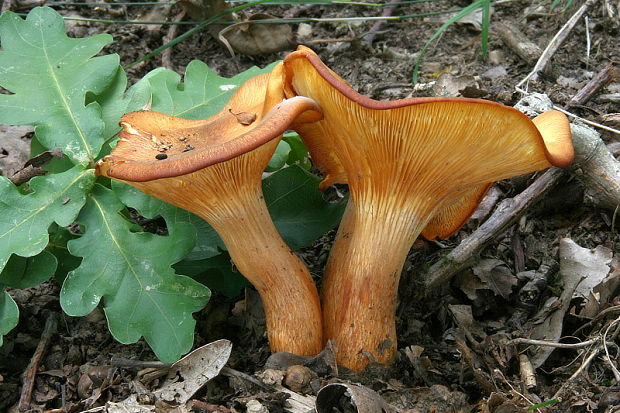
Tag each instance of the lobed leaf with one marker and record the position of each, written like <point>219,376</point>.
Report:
<point>299,153</point>
<point>298,208</point>
<point>201,94</point>
<point>22,272</point>
<point>132,273</point>
<point>279,157</point>
<point>115,101</point>
<point>49,75</point>
<point>207,242</point>
<point>9,314</point>
<point>217,273</point>
<point>25,218</point>
<point>59,236</point>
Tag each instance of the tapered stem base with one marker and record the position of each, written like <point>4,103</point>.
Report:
<point>361,285</point>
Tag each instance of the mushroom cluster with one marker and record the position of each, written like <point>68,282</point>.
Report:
<point>413,166</point>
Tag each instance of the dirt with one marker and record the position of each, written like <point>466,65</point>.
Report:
<point>447,361</point>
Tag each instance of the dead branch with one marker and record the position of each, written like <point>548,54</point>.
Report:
<point>554,44</point>
<point>545,343</point>
<point>31,371</point>
<point>594,164</point>
<point>596,167</point>
<point>584,366</point>
<point>518,42</point>
<point>600,80</point>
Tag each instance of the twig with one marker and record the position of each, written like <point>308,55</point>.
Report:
<point>600,80</point>
<point>598,316</point>
<point>499,373</point>
<point>341,40</point>
<point>227,371</point>
<point>31,371</point>
<point>33,166</point>
<point>166,55</point>
<point>614,369</point>
<point>26,174</point>
<point>554,44</point>
<point>138,364</point>
<point>544,343</point>
<point>584,366</point>
<point>586,121</point>
<point>528,374</point>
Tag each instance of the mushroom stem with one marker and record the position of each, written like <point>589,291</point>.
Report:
<point>288,293</point>
<point>241,218</point>
<point>361,282</point>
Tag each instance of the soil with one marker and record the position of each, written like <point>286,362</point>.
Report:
<point>453,351</point>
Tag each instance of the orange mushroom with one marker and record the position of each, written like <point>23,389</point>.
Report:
<point>411,165</point>
<point>213,168</point>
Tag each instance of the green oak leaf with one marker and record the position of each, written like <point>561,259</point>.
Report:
<point>25,218</point>
<point>49,75</point>
<point>26,272</point>
<point>132,273</point>
<point>59,236</point>
<point>217,273</point>
<point>202,94</point>
<point>115,101</point>
<point>56,165</point>
<point>279,157</point>
<point>299,153</point>
<point>9,314</point>
<point>208,242</point>
<point>297,207</point>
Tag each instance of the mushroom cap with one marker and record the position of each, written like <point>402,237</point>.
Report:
<point>554,128</point>
<point>154,145</point>
<point>420,149</point>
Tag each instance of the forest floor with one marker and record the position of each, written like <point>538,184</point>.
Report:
<point>458,345</point>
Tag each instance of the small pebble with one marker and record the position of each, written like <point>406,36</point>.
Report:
<point>188,148</point>
<point>161,156</point>
<point>297,378</point>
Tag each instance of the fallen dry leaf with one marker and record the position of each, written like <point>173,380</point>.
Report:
<point>244,118</point>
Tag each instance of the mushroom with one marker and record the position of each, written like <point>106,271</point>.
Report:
<point>412,165</point>
<point>213,168</point>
